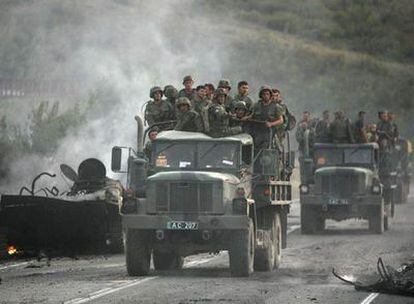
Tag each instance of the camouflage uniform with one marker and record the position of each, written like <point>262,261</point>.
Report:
<point>189,95</point>
<point>201,107</point>
<point>340,129</point>
<point>322,131</point>
<point>158,111</point>
<point>189,121</point>
<point>171,94</point>
<point>225,83</point>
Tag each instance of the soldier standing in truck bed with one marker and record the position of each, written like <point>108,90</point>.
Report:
<point>158,110</point>
<point>171,95</point>
<point>209,91</point>
<point>188,90</point>
<point>322,128</point>
<point>242,95</point>
<point>270,113</point>
<point>188,120</point>
<point>224,85</point>
<point>340,129</point>
<point>304,125</point>
<point>219,118</point>
<point>359,128</point>
<point>200,105</point>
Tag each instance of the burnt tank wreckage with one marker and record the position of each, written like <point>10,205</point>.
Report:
<point>201,194</point>
<point>84,218</point>
<point>342,181</point>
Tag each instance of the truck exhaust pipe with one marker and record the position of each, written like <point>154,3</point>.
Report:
<point>140,134</point>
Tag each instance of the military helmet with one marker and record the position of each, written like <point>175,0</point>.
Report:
<point>183,101</point>
<point>240,105</point>
<point>220,91</point>
<point>155,89</point>
<point>264,88</point>
<point>170,91</point>
<point>188,78</point>
<point>224,83</point>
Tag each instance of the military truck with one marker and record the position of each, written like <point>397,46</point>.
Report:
<point>199,194</point>
<point>342,181</point>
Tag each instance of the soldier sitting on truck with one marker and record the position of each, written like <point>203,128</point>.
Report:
<point>189,120</point>
<point>243,95</point>
<point>270,114</point>
<point>242,116</point>
<point>224,85</point>
<point>200,104</point>
<point>219,118</point>
<point>341,130</point>
<point>171,94</point>
<point>152,135</point>
<point>158,109</point>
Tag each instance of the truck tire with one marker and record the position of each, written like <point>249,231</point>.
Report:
<point>264,258</point>
<point>241,252</point>
<point>311,221</point>
<point>278,241</point>
<point>167,260</point>
<point>137,252</point>
<point>376,219</point>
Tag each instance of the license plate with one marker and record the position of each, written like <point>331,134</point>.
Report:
<point>182,225</point>
<point>338,201</point>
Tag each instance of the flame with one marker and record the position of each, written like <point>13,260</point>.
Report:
<point>11,250</point>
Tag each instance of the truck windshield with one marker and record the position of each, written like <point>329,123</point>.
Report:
<point>330,157</point>
<point>201,155</point>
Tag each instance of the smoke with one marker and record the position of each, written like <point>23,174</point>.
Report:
<point>129,46</point>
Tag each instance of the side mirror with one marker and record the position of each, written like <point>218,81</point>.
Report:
<point>116,159</point>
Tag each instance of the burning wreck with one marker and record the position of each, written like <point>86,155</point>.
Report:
<point>84,218</point>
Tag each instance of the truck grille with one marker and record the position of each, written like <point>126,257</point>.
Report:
<point>339,185</point>
<point>184,197</point>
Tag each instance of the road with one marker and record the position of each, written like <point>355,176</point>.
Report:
<point>304,276</point>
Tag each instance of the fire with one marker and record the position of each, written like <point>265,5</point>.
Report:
<point>11,250</point>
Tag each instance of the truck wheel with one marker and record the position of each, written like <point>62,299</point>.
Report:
<point>264,257</point>
<point>242,252</point>
<point>376,219</point>
<point>167,260</point>
<point>310,220</point>
<point>278,241</point>
<point>137,252</point>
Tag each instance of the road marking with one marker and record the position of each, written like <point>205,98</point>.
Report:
<point>106,291</point>
<point>14,265</point>
<point>370,298</point>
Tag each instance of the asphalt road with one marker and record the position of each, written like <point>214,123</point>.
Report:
<point>304,276</point>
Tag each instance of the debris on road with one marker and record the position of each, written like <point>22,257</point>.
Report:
<point>390,280</point>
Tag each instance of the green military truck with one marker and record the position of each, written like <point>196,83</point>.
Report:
<point>342,181</point>
<point>199,194</point>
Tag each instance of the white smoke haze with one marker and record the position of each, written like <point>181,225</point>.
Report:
<point>132,46</point>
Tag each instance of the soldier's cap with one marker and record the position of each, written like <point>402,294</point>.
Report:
<point>170,91</point>
<point>155,89</point>
<point>183,101</point>
<point>264,88</point>
<point>274,90</point>
<point>361,112</point>
<point>188,78</point>
<point>198,88</point>
<point>382,112</point>
<point>240,105</point>
<point>224,83</point>
<point>154,129</point>
<point>220,91</point>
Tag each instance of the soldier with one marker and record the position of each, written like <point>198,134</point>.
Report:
<point>304,125</point>
<point>242,115</point>
<point>152,135</point>
<point>385,131</point>
<point>371,133</point>
<point>322,128</point>
<point>171,93</point>
<point>200,105</point>
<point>359,128</point>
<point>219,118</point>
<point>271,114</point>
<point>243,95</point>
<point>340,130</point>
<point>188,120</point>
<point>224,84</point>
<point>158,110</point>
<point>391,119</point>
<point>209,91</point>
<point>188,90</point>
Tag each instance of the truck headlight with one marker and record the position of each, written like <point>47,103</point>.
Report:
<point>304,189</point>
<point>376,189</point>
